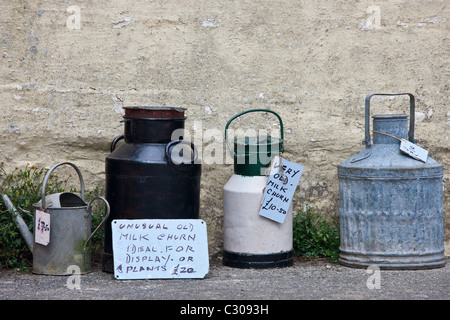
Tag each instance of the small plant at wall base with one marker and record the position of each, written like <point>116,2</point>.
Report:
<point>24,188</point>
<point>314,236</point>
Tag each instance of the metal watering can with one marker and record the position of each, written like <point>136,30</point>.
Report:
<point>69,230</point>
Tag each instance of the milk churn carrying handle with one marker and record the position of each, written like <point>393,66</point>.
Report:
<point>47,176</point>
<point>103,221</point>
<point>168,156</point>
<point>254,110</point>
<point>114,142</point>
<point>412,107</point>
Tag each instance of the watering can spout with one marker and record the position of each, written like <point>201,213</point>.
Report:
<point>23,228</point>
<point>64,199</point>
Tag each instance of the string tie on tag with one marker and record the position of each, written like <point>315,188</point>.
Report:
<point>281,170</point>
<point>387,134</point>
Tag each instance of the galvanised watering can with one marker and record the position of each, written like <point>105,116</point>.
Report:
<point>70,230</point>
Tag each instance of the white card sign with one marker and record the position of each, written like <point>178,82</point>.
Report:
<point>42,228</point>
<point>413,150</point>
<point>160,248</point>
<point>280,188</point>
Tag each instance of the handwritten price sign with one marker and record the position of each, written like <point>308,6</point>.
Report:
<point>280,188</point>
<point>413,150</point>
<point>42,228</point>
<point>160,248</point>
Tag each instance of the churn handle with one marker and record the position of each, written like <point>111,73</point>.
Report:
<point>254,110</point>
<point>47,176</point>
<point>174,142</point>
<point>103,221</point>
<point>412,107</point>
<point>114,142</point>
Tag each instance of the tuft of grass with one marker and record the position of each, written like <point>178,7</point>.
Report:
<point>315,236</point>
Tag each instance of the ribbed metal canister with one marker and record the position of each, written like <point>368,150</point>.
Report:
<point>390,205</point>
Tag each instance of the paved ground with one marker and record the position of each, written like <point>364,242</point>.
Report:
<point>304,281</point>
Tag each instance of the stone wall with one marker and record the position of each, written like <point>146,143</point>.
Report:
<point>68,67</point>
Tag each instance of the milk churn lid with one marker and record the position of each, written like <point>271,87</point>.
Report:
<point>252,155</point>
<point>147,112</point>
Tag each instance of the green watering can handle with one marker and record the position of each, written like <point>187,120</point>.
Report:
<point>254,110</point>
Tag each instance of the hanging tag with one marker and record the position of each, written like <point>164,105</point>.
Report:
<point>280,188</point>
<point>42,228</point>
<point>413,150</point>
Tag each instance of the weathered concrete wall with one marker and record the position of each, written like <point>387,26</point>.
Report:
<point>66,68</point>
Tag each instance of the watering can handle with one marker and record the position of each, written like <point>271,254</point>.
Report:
<point>254,110</point>
<point>103,221</point>
<point>412,107</point>
<point>47,176</point>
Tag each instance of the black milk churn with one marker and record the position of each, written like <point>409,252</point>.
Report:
<point>390,204</point>
<point>154,174</point>
<point>70,230</point>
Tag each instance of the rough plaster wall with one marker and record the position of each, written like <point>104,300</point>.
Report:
<point>64,79</point>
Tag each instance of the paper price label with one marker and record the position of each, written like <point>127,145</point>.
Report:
<point>42,228</point>
<point>280,188</point>
<point>413,150</point>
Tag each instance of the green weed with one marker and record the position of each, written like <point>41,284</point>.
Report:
<point>315,236</point>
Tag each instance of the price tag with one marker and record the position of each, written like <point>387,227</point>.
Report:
<point>413,150</point>
<point>280,188</point>
<point>42,228</point>
<point>159,248</point>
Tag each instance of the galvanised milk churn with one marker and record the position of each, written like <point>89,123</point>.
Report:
<point>390,204</point>
<point>250,240</point>
<point>154,174</point>
<point>70,230</point>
